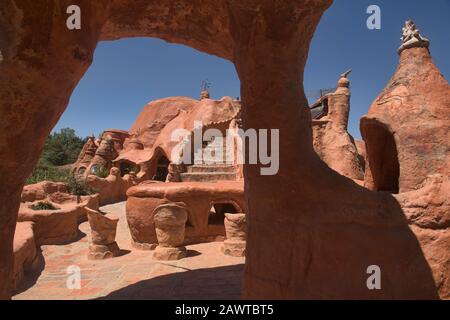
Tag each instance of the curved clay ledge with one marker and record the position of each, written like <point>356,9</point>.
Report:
<point>198,197</point>
<point>57,226</point>
<point>41,190</point>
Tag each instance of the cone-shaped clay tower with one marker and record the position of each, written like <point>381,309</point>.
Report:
<point>407,127</point>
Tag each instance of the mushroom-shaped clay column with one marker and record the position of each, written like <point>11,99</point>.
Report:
<point>170,221</point>
<point>235,229</point>
<point>103,233</point>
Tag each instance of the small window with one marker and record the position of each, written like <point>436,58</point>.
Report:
<point>94,169</point>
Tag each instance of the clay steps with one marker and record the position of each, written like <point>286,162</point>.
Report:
<point>212,168</point>
<point>208,176</point>
<point>209,168</point>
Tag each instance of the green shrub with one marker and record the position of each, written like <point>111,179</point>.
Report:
<point>43,205</point>
<point>78,187</point>
<point>46,172</point>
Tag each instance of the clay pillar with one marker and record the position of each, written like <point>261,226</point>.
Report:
<point>9,206</point>
<point>235,229</point>
<point>339,105</point>
<point>170,221</point>
<point>270,62</point>
<point>40,66</point>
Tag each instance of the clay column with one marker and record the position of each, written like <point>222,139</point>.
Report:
<point>270,60</point>
<point>40,65</point>
<point>339,105</point>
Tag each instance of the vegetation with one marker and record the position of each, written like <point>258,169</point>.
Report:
<point>46,172</point>
<point>78,188</point>
<point>62,147</point>
<point>43,205</point>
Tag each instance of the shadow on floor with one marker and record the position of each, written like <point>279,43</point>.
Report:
<point>192,253</point>
<point>123,252</point>
<point>221,283</point>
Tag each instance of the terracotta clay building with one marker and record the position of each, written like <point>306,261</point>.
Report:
<point>145,155</point>
<point>209,186</point>
<point>147,148</point>
<point>312,232</point>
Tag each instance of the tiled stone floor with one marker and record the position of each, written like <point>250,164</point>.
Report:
<point>205,274</point>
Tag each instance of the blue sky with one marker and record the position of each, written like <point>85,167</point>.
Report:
<point>128,73</point>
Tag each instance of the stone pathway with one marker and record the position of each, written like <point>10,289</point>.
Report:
<point>205,274</point>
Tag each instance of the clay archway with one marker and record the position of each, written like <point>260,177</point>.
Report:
<point>162,168</point>
<point>382,158</point>
<point>268,42</point>
<point>158,166</point>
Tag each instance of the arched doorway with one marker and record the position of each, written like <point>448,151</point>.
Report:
<point>162,169</point>
<point>383,158</point>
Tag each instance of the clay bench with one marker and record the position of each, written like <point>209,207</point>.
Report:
<point>201,199</point>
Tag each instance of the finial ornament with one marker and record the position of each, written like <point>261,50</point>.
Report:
<point>344,82</point>
<point>204,94</point>
<point>412,38</point>
<point>346,73</point>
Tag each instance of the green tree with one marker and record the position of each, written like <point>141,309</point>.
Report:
<point>62,147</point>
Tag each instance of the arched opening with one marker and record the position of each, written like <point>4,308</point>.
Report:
<point>383,158</point>
<point>126,167</point>
<point>162,169</point>
<point>217,212</point>
<point>109,96</point>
